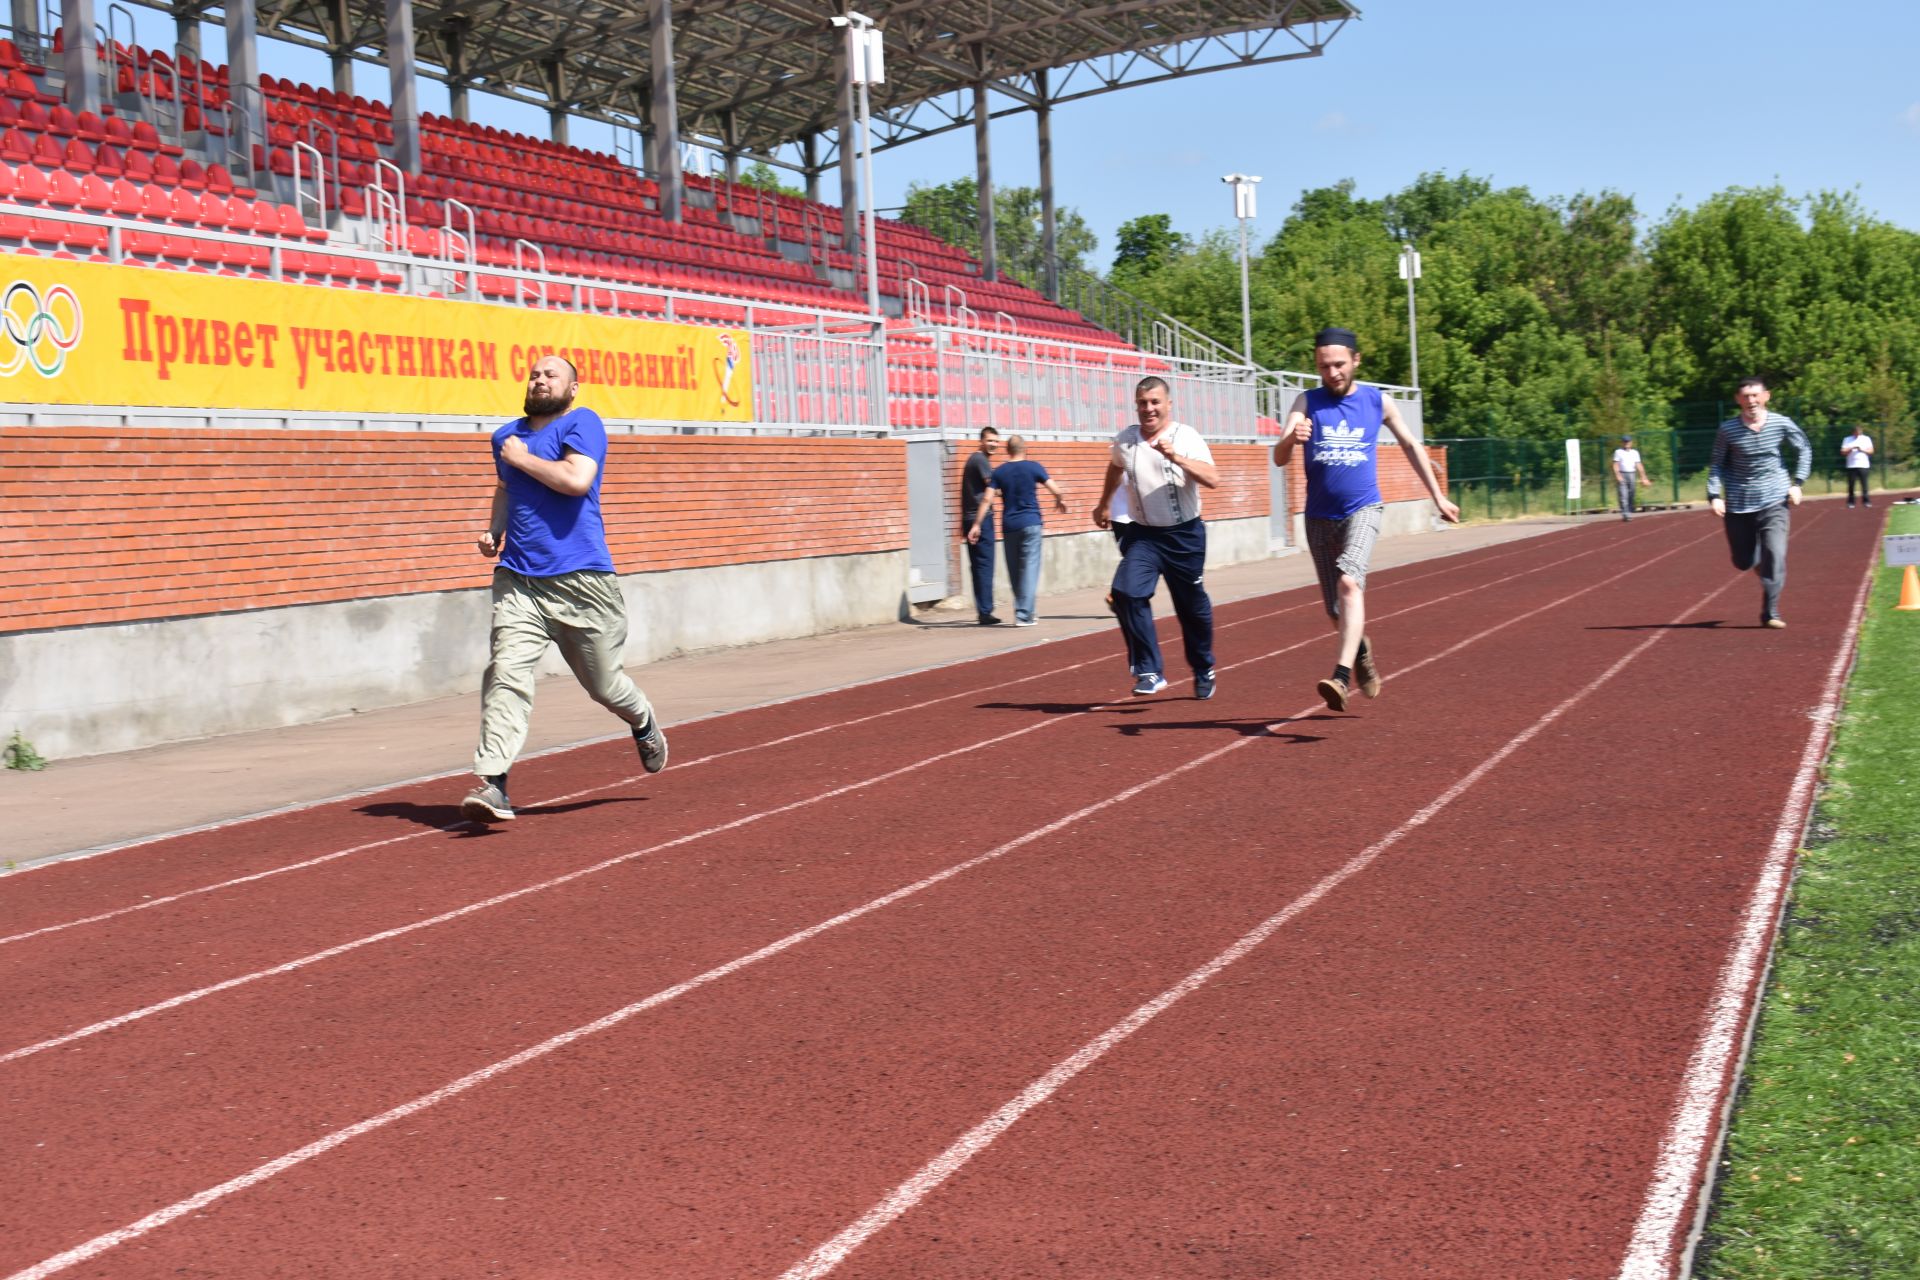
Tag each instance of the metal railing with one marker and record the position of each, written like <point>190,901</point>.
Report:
<point>814,371</point>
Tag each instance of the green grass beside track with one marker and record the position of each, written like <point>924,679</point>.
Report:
<point>1821,1176</point>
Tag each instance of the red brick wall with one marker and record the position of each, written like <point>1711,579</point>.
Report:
<point>106,525</point>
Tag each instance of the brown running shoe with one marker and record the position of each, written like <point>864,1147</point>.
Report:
<point>1334,691</point>
<point>1365,671</point>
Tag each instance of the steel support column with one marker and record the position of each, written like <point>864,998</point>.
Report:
<point>454,38</point>
<point>340,53</point>
<point>79,57</point>
<point>405,93</point>
<point>556,77</point>
<point>666,112</point>
<point>849,157</point>
<point>26,20</point>
<point>1049,239</point>
<point>186,30</point>
<point>983,167</point>
<point>243,72</point>
<point>810,165</point>
<point>730,136</point>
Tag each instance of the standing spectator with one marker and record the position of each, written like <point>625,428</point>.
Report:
<point>1338,423</point>
<point>1857,451</point>
<point>976,517</point>
<point>1627,471</point>
<point>554,584</point>
<point>1019,482</point>
<point>1748,486</point>
<point>1164,465</point>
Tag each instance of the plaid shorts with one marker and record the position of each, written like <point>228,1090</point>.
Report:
<point>1342,547</point>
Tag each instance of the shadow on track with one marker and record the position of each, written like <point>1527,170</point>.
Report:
<point>1710,625</point>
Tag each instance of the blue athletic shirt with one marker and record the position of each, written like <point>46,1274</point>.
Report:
<point>548,532</point>
<point>1019,483</point>
<point>1343,473</point>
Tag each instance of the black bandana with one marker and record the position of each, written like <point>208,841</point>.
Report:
<point>1336,337</point>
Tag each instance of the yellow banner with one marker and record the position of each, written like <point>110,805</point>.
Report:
<point>79,333</point>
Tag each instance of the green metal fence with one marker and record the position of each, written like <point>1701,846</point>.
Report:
<point>1496,479</point>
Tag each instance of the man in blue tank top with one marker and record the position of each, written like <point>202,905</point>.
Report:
<point>1338,425</point>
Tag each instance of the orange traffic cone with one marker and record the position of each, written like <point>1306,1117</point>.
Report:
<point>1909,590</point>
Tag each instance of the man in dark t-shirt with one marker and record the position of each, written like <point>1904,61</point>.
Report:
<point>976,524</point>
<point>1019,481</point>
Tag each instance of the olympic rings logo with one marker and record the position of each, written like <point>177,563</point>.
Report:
<point>40,330</point>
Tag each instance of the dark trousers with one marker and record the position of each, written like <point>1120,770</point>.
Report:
<point>1758,540</point>
<point>1860,474</point>
<point>980,562</point>
<point>1177,553</point>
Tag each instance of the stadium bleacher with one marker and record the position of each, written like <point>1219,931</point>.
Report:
<point>162,156</point>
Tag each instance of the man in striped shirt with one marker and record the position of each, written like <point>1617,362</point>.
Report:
<point>1748,486</point>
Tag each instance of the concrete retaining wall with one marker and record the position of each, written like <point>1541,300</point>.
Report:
<point>86,690</point>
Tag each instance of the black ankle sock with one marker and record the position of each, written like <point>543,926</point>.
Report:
<point>497,779</point>
<point>1361,652</point>
<point>1343,674</point>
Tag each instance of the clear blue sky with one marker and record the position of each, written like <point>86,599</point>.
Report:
<point>1665,103</point>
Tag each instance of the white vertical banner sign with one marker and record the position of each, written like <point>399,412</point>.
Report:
<point>1573,472</point>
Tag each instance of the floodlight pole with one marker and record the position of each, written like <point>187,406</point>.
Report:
<point>1410,271</point>
<point>864,67</point>
<point>1243,209</point>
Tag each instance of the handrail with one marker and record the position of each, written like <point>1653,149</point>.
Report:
<point>169,115</point>
<point>524,286</point>
<point>947,295</point>
<point>319,196</point>
<point>451,234</point>
<point>388,209</point>
<point>312,128</point>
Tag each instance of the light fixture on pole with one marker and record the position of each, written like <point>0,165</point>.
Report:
<point>866,64</point>
<point>1410,271</point>
<point>1243,209</point>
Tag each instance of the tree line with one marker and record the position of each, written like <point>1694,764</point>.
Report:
<point>1539,318</point>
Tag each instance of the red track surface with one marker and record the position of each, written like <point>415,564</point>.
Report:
<point>1413,990</point>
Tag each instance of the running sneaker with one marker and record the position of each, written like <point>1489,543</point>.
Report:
<point>1333,690</point>
<point>1203,682</point>
<point>1365,671</point>
<point>652,746</point>
<point>1774,624</point>
<point>1149,684</point>
<point>486,803</point>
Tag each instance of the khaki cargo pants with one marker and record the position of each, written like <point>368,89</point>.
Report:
<point>583,613</point>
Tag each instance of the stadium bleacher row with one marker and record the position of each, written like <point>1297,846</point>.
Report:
<point>159,155</point>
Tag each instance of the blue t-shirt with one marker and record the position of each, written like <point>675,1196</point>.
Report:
<point>1019,483</point>
<point>548,532</point>
<point>1342,453</point>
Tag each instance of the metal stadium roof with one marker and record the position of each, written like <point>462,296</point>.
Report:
<point>755,76</point>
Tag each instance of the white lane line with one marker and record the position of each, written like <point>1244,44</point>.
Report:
<point>329,953</point>
<point>164,900</point>
<point>1706,1094</point>
<point>153,1221</point>
<point>936,1171</point>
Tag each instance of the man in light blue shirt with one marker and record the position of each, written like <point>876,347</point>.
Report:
<point>1748,487</point>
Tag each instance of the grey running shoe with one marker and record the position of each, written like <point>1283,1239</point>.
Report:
<point>652,746</point>
<point>486,803</point>
<point>1203,683</point>
<point>1333,690</point>
<point>1149,684</point>
<point>1365,671</point>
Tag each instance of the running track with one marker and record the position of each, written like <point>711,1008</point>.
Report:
<point>980,972</point>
